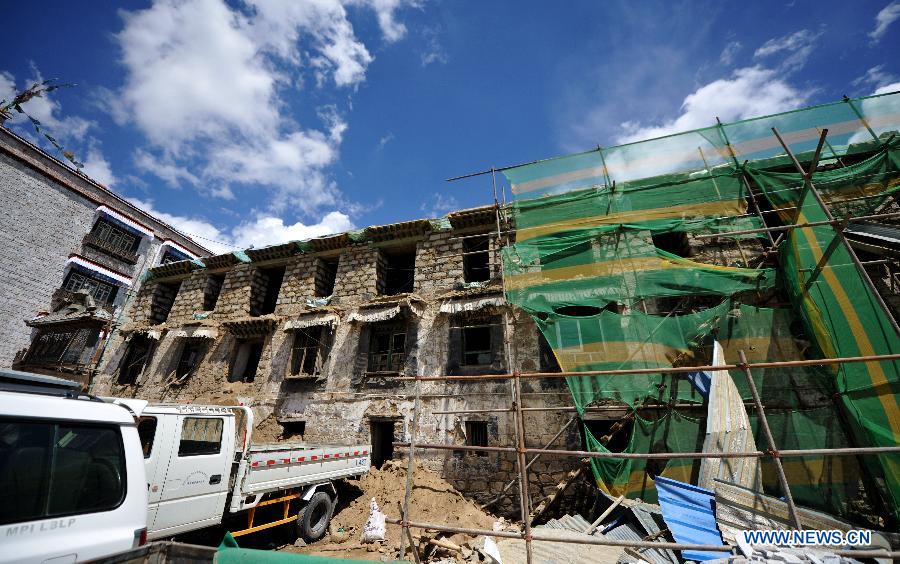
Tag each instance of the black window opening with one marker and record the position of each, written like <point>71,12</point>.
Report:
<point>115,238</point>
<point>212,290</point>
<point>200,436</point>
<point>55,469</point>
<point>476,346</point>
<point>191,355</point>
<point>398,272</point>
<point>614,434</point>
<point>476,259</point>
<point>162,300</point>
<point>146,429</point>
<point>307,351</point>
<point>325,277</point>
<point>103,292</point>
<point>674,242</point>
<point>170,257</point>
<point>477,435</point>
<point>547,360</point>
<point>387,348</point>
<point>268,288</point>
<point>63,346</point>
<point>382,442</point>
<point>245,362</point>
<point>293,429</point>
<point>137,356</point>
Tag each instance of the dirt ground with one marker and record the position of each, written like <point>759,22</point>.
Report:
<point>433,500</point>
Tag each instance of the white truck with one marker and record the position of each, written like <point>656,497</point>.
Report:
<point>202,469</point>
<point>83,477</point>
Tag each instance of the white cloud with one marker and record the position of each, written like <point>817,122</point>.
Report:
<point>888,88</point>
<point>439,205</point>
<point>434,51</point>
<point>261,231</point>
<point>883,20</point>
<point>385,139</point>
<point>165,169</point>
<point>97,167</point>
<point>752,91</point>
<point>876,77</point>
<point>795,48</point>
<point>209,86</point>
<point>730,52</point>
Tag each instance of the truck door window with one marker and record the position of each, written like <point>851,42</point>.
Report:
<point>200,435</point>
<point>146,428</point>
<point>54,469</point>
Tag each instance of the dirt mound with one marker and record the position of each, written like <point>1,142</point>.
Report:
<point>433,500</point>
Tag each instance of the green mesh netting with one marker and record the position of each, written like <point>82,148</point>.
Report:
<point>586,261</point>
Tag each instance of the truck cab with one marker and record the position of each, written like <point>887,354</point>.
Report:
<point>72,479</point>
<point>188,454</point>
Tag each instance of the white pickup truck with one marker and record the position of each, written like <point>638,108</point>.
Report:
<point>202,470</point>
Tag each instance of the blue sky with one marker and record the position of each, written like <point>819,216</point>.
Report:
<point>254,122</point>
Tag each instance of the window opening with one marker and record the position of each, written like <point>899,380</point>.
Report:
<point>615,434</point>
<point>578,310</point>
<point>102,292</point>
<point>476,260</point>
<point>212,290</point>
<point>548,362</point>
<point>189,360</point>
<point>170,257</point>
<point>73,346</point>
<point>399,271</point>
<point>162,301</point>
<point>267,290</point>
<point>293,429</point>
<point>477,435</point>
<point>59,469</point>
<point>387,352</point>
<point>382,442</point>
<point>115,238</point>
<point>246,360</point>
<point>674,242</point>
<point>326,276</point>
<point>477,346</point>
<point>136,358</point>
<point>306,351</point>
<point>200,436</point>
<point>146,429</point>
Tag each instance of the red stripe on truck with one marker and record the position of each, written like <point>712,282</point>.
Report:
<point>270,462</point>
<point>286,460</point>
<point>301,458</point>
<point>355,453</point>
<point>254,464</point>
<point>313,457</point>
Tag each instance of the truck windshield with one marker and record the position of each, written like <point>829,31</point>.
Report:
<point>53,469</point>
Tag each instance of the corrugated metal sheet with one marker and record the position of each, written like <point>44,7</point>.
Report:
<point>512,551</point>
<point>688,511</point>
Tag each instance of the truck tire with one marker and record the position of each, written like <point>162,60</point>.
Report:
<point>312,522</point>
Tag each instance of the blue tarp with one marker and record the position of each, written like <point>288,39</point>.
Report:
<point>690,513</point>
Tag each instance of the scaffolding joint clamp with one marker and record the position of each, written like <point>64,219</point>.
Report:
<point>773,453</point>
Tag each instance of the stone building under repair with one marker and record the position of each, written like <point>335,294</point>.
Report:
<point>666,268</point>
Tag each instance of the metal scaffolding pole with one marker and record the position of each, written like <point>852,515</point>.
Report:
<point>839,233</point>
<point>672,370</point>
<point>773,449</point>
<point>525,500</point>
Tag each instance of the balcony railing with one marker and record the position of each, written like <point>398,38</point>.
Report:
<point>96,242</point>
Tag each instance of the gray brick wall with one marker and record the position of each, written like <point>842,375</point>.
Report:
<point>38,221</point>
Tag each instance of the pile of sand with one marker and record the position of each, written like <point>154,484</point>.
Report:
<point>433,500</point>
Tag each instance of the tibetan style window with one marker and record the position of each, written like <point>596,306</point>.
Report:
<point>115,238</point>
<point>477,435</point>
<point>63,346</point>
<point>387,348</point>
<point>103,292</point>
<point>476,259</point>
<point>476,345</point>
<point>137,356</point>
<point>191,355</point>
<point>308,351</point>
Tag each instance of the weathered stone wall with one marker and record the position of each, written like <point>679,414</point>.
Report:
<point>342,403</point>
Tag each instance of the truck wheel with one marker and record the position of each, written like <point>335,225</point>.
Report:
<point>312,522</point>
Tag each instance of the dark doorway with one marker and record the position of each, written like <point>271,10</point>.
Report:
<point>382,441</point>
